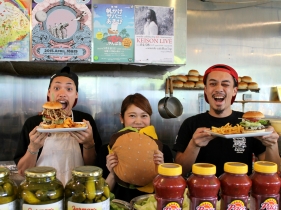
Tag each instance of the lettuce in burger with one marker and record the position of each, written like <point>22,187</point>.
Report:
<point>252,122</point>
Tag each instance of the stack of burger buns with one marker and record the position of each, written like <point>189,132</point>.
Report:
<point>192,80</point>
<point>245,82</point>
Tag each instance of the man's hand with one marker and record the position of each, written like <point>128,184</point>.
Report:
<point>84,137</point>
<point>201,138</point>
<point>37,139</point>
<point>270,139</point>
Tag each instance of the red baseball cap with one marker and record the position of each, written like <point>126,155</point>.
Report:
<point>224,68</point>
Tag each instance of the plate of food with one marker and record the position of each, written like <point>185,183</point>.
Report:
<point>238,135</point>
<point>55,120</point>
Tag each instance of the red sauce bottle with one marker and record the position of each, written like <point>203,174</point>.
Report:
<point>169,186</point>
<point>265,186</point>
<point>203,187</point>
<point>235,186</point>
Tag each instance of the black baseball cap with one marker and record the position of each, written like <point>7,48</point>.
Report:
<point>65,72</point>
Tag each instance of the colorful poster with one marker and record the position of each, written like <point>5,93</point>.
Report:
<point>61,30</point>
<point>113,33</point>
<point>14,30</point>
<point>154,34</point>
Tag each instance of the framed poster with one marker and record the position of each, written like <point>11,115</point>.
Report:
<point>113,27</point>
<point>154,34</point>
<point>61,30</point>
<point>14,30</point>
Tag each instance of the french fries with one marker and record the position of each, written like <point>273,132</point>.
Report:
<point>68,123</point>
<point>228,129</point>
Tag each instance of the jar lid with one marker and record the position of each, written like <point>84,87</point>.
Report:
<point>236,168</point>
<point>4,172</point>
<point>170,169</point>
<point>40,172</point>
<point>265,167</point>
<point>86,171</point>
<point>204,169</point>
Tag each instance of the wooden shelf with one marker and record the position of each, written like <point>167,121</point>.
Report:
<point>243,102</point>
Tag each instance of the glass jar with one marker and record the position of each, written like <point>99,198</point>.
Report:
<point>169,186</point>
<point>203,186</point>
<point>265,186</point>
<point>235,186</point>
<point>8,190</point>
<point>87,189</point>
<point>41,189</point>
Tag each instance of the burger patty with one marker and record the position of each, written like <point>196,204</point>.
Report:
<point>53,116</point>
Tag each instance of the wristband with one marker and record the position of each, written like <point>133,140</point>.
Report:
<point>89,147</point>
<point>33,153</point>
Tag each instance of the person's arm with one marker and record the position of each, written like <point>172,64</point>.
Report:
<point>30,157</point>
<point>271,152</point>
<point>188,157</point>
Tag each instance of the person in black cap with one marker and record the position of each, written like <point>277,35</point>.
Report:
<point>194,145</point>
<point>61,150</point>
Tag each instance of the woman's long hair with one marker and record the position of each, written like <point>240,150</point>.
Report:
<point>152,16</point>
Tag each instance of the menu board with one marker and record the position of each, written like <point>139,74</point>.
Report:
<point>14,30</point>
<point>154,34</point>
<point>61,30</point>
<point>113,28</point>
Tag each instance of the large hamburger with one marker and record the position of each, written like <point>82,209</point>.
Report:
<point>53,115</point>
<point>252,122</point>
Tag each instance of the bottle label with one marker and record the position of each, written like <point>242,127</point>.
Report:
<point>205,206</point>
<point>172,206</point>
<point>8,206</point>
<point>236,205</point>
<point>270,203</point>
<point>104,205</point>
<point>53,206</point>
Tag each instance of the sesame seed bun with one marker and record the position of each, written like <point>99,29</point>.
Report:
<point>52,105</point>
<point>189,84</point>
<point>177,83</point>
<point>246,79</point>
<point>242,85</point>
<point>193,78</point>
<point>193,72</point>
<point>253,85</point>
<point>253,114</point>
<point>199,84</point>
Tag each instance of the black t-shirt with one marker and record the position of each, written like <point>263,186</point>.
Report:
<point>119,191</point>
<point>219,150</point>
<point>34,121</point>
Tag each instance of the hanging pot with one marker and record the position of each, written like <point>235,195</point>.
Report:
<point>161,103</point>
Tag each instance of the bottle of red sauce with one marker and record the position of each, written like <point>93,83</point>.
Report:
<point>265,186</point>
<point>203,186</point>
<point>169,186</point>
<point>235,186</point>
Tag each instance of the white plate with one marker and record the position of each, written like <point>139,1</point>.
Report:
<point>54,130</point>
<point>229,136</point>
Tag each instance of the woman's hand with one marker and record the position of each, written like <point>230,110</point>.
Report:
<point>111,162</point>
<point>158,157</point>
<point>37,140</point>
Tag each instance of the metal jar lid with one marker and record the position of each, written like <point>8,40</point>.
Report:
<point>4,172</point>
<point>87,171</point>
<point>40,172</point>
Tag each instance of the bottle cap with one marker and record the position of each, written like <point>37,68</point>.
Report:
<point>265,167</point>
<point>170,169</point>
<point>204,169</point>
<point>40,172</point>
<point>236,168</point>
<point>87,171</point>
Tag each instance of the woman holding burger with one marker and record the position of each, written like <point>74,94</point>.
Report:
<point>135,116</point>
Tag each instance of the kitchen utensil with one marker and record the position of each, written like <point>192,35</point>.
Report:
<point>161,103</point>
<point>173,106</point>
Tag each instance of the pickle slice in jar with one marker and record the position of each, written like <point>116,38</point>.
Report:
<point>78,198</point>
<point>42,195</point>
<point>54,194</point>
<point>2,192</point>
<point>7,199</point>
<point>8,188</point>
<point>29,197</point>
<point>90,189</point>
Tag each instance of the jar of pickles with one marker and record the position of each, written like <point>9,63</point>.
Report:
<point>41,189</point>
<point>8,190</point>
<point>87,189</point>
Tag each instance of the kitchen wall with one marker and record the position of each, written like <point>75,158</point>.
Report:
<point>244,36</point>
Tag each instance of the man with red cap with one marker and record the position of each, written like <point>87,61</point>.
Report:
<point>194,145</point>
<point>61,150</point>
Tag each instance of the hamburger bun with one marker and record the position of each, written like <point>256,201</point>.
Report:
<point>177,83</point>
<point>193,72</point>
<point>242,85</point>
<point>253,131</point>
<point>253,114</point>
<point>239,79</point>
<point>246,79</point>
<point>181,78</point>
<point>199,84</point>
<point>200,77</point>
<point>193,78</point>
<point>189,84</point>
<point>52,105</point>
<point>253,85</point>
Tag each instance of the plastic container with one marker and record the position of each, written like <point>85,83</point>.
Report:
<point>265,186</point>
<point>87,189</point>
<point>169,186</point>
<point>235,186</point>
<point>8,190</point>
<point>203,186</point>
<point>41,189</point>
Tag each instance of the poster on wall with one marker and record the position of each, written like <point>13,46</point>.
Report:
<point>61,30</point>
<point>14,30</point>
<point>154,34</point>
<point>113,27</point>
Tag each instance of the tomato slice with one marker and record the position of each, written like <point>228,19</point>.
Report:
<point>253,119</point>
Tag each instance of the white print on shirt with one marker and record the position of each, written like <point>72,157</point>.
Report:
<point>239,144</point>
